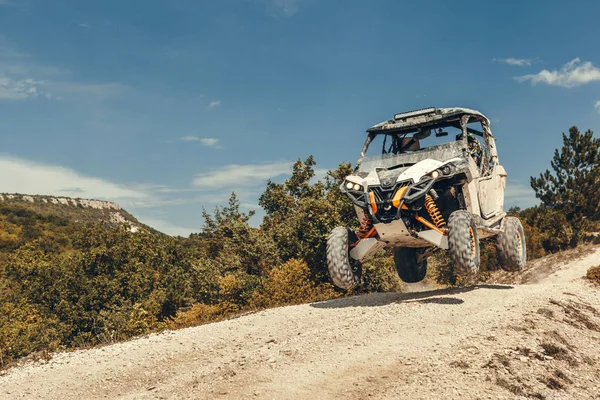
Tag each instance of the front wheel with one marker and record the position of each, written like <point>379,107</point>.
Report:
<point>463,243</point>
<point>512,250</point>
<point>411,264</point>
<point>343,270</point>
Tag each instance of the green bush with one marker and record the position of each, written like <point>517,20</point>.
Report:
<point>593,274</point>
<point>197,314</point>
<point>24,330</point>
<point>379,274</point>
<point>290,283</point>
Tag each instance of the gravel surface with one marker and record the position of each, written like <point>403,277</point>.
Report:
<point>491,341</point>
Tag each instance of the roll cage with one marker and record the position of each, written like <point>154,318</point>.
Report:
<point>433,119</point>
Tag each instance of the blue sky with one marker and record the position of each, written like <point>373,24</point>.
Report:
<point>166,107</point>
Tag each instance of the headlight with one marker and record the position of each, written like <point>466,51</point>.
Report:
<point>435,174</point>
<point>353,186</point>
<point>446,170</point>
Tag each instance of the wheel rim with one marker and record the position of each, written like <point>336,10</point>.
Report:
<point>473,244</point>
<point>520,244</point>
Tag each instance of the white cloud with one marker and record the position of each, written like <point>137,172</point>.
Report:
<point>205,198</point>
<point>320,174</point>
<point>12,3</point>
<point>518,62</point>
<point>210,142</point>
<point>520,195</point>
<point>231,176</point>
<point>11,89</point>
<point>19,64</point>
<point>287,7</point>
<point>597,106</point>
<point>574,73</point>
<point>22,78</point>
<point>28,88</point>
<point>156,202</point>
<point>214,104</point>
<point>22,176</point>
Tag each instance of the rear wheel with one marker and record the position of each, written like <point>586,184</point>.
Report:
<point>410,263</point>
<point>345,272</point>
<point>463,243</point>
<point>512,250</point>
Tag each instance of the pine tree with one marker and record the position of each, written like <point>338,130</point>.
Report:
<point>574,186</point>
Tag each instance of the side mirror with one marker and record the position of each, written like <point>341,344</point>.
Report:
<point>441,133</point>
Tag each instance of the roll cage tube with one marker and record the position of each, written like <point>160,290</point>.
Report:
<point>490,153</point>
<point>489,139</point>
<point>364,149</point>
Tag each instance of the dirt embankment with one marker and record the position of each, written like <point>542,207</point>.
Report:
<point>539,339</point>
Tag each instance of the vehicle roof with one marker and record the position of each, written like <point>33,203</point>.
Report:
<point>426,116</point>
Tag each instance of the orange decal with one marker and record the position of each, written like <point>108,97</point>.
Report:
<point>373,204</point>
<point>398,196</point>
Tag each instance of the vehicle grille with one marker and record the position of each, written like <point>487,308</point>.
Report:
<point>386,212</point>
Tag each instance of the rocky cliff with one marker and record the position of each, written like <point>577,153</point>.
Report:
<point>76,209</point>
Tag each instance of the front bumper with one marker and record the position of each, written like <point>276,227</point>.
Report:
<point>378,200</point>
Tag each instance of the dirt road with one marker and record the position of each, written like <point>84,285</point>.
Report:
<point>534,340</point>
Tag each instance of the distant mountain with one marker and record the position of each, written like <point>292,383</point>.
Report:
<point>74,210</point>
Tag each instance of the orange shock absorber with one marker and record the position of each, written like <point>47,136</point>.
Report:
<point>434,212</point>
<point>366,227</point>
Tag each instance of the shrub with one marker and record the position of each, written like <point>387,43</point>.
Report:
<point>290,283</point>
<point>231,288</point>
<point>124,322</point>
<point>379,274</point>
<point>23,330</point>
<point>593,274</point>
<point>300,214</point>
<point>199,313</point>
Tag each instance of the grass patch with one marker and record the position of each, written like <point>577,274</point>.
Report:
<point>553,383</point>
<point>553,350</point>
<point>546,312</point>
<point>575,316</point>
<point>511,387</point>
<point>561,375</point>
<point>460,364</point>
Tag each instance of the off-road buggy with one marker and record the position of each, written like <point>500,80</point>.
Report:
<point>416,187</point>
